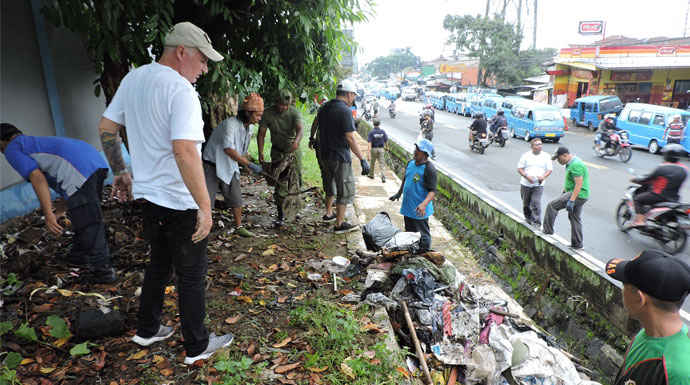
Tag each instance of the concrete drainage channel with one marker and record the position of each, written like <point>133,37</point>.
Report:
<point>565,293</point>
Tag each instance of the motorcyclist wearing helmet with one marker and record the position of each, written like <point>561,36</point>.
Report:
<point>662,185</point>
<point>427,110</point>
<point>675,130</point>
<point>498,121</point>
<point>478,126</point>
<point>605,126</point>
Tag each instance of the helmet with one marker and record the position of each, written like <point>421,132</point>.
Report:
<point>499,111</point>
<point>609,117</point>
<point>673,152</point>
<point>428,106</point>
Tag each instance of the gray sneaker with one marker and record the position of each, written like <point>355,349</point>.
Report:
<point>214,343</point>
<point>163,333</point>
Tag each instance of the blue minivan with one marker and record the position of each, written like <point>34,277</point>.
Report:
<point>536,120</point>
<point>476,104</point>
<point>646,124</point>
<point>590,110</point>
<point>490,105</point>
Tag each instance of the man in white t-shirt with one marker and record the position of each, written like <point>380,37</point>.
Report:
<point>161,110</point>
<point>534,167</point>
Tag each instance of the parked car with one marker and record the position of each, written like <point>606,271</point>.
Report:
<point>590,110</point>
<point>509,101</point>
<point>409,93</point>
<point>536,120</point>
<point>475,101</point>
<point>646,124</point>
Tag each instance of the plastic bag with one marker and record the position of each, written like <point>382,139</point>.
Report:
<point>404,241</point>
<point>379,231</point>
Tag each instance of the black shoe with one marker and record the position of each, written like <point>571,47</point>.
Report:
<point>383,179</point>
<point>328,218</point>
<point>344,228</point>
<point>370,176</point>
<point>69,259</point>
<point>278,223</point>
<point>105,274</point>
<point>576,247</point>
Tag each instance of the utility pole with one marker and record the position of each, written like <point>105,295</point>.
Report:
<point>488,6</point>
<point>519,18</point>
<point>534,33</point>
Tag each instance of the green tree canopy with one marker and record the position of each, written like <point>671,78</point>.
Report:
<point>493,41</point>
<point>267,44</point>
<point>397,61</point>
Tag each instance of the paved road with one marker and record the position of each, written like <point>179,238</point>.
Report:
<point>495,172</point>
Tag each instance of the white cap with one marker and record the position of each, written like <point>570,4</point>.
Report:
<point>347,86</point>
<point>189,35</point>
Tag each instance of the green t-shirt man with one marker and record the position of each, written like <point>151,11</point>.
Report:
<point>282,126</point>
<point>573,169</point>
<point>651,361</point>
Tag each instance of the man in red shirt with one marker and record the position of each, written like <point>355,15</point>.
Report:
<point>675,130</point>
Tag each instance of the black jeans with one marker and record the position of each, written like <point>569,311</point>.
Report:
<point>420,226</point>
<point>89,243</point>
<point>169,233</point>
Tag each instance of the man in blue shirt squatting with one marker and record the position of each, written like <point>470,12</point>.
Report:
<point>418,189</point>
<point>75,170</point>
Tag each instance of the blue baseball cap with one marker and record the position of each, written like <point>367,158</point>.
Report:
<point>425,145</point>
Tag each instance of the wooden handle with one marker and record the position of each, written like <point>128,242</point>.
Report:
<point>417,345</point>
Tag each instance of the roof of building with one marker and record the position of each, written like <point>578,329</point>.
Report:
<point>622,41</point>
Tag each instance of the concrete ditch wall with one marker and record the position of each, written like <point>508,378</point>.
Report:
<point>564,293</point>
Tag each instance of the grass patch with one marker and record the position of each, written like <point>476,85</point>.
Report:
<point>311,175</point>
<point>336,337</point>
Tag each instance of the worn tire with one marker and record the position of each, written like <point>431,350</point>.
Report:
<point>678,243</point>
<point>653,147</point>
<point>625,154</point>
<point>623,216</point>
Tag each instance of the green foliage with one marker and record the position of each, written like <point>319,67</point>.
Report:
<point>267,44</point>
<point>5,326</point>
<point>80,350</point>
<point>493,41</point>
<point>12,360</point>
<point>58,327</point>
<point>10,285</point>
<point>397,61</point>
<point>336,337</point>
<point>26,333</point>
<point>238,372</point>
<point>8,377</point>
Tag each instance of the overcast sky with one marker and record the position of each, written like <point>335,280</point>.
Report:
<point>419,24</point>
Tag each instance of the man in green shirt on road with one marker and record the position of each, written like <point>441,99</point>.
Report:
<point>285,124</point>
<point>575,194</point>
<point>655,285</point>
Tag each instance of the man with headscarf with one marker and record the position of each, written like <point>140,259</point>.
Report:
<point>284,122</point>
<point>226,151</point>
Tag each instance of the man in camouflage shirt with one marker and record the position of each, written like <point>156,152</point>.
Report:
<point>285,124</point>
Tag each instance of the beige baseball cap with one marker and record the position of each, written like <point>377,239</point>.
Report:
<point>189,35</point>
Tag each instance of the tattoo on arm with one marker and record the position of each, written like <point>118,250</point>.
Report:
<point>111,143</point>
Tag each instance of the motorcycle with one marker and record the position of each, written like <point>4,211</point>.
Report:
<point>665,222</point>
<point>367,114</point>
<point>391,113</point>
<point>480,142</point>
<point>501,136</point>
<point>619,145</point>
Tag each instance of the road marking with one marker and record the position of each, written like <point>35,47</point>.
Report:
<point>597,166</point>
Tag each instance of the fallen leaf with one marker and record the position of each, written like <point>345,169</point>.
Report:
<point>46,307</point>
<point>262,302</point>
<point>372,327</point>
<point>282,343</point>
<point>318,370</point>
<point>166,372</point>
<point>285,266</point>
<point>236,292</point>
<point>65,293</point>
<point>301,296</point>
<point>283,299</point>
<point>61,341</point>
<point>271,268</point>
<point>347,370</point>
<point>26,361</point>
<point>245,299</point>
<point>232,320</point>
<point>256,357</point>
<point>375,362</point>
<point>286,368</point>
<point>138,355</point>
<point>251,349</point>
<point>169,290</point>
<point>46,370</point>
<point>268,252</point>
<point>240,257</point>
<point>158,358</point>
<point>345,291</point>
<point>403,371</point>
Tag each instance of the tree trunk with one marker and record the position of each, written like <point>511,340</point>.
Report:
<point>110,79</point>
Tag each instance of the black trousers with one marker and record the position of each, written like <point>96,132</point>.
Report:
<point>169,233</point>
<point>89,244</point>
<point>646,199</point>
<point>419,226</point>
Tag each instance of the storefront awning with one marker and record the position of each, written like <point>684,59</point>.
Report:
<point>582,66</point>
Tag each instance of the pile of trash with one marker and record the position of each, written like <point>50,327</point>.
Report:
<point>461,333</point>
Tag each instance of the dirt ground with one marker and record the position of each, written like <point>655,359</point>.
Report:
<point>252,285</point>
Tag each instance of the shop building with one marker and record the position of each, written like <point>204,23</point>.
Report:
<point>655,71</point>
